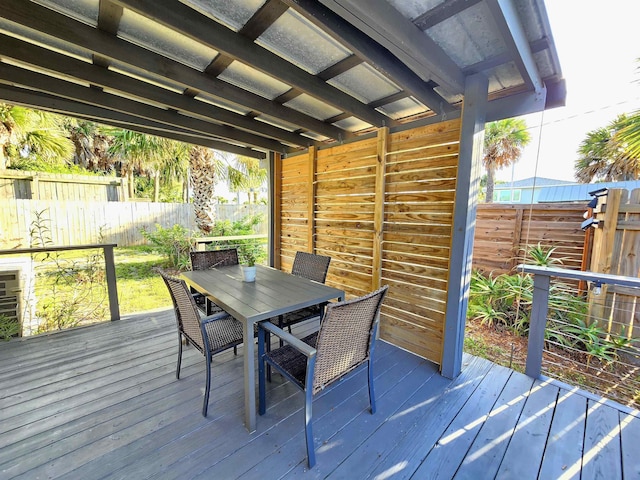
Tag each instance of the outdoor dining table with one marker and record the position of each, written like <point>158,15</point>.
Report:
<point>273,293</point>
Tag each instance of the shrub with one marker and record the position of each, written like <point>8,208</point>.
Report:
<point>9,327</point>
<point>175,242</point>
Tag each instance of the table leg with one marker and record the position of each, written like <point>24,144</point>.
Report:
<point>249,378</point>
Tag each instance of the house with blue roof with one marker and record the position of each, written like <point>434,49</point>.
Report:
<point>524,191</point>
<point>548,190</point>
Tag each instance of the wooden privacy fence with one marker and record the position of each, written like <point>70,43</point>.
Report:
<point>80,222</point>
<point>382,208</point>
<point>16,184</point>
<point>616,251</point>
<point>503,233</point>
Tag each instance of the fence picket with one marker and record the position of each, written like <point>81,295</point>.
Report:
<point>79,222</point>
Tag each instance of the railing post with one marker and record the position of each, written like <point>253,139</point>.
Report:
<point>537,324</point>
<point>112,289</point>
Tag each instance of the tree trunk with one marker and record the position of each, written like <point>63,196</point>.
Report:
<point>201,168</point>
<point>156,186</point>
<point>132,184</point>
<point>490,183</point>
<point>5,137</point>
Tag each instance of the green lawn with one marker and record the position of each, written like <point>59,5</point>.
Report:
<point>139,287</point>
<point>70,286</point>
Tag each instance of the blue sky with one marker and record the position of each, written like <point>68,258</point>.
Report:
<point>598,46</point>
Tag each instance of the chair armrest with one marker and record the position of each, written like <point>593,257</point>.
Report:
<point>216,316</point>
<point>306,350</point>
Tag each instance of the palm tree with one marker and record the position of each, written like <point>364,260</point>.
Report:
<point>204,169</point>
<point>246,175</point>
<point>602,155</point>
<point>92,144</point>
<point>503,144</point>
<point>27,134</point>
<point>629,135</point>
<point>145,154</point>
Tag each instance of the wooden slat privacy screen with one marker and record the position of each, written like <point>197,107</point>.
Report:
<point>504,233</point>
<point>382,208</point>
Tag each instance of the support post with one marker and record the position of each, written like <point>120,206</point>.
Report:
<point>537,324</point>
<point>467,186</point>
<point>311,199</point>
<point>275,212</point>
<point>112,288</point>
<point>378,216</point>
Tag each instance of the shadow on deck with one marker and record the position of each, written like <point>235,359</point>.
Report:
<point>103,402</point>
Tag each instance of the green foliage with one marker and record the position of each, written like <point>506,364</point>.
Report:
<point>9,327</point>
<point>251,252</point>
<point>35,135</point>
<point>543,256</point>
<point>506,301</point>
<point>609,153</point>
<point>245,226</point>
<point>175,243</point>
<point>69,290</point>
<point>504,141</point>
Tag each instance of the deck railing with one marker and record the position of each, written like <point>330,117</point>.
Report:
<point>109,269</point>
<point>600,322</point>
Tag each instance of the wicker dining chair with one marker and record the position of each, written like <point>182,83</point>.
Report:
<point>311,266</point>
<point>209,335</point>
<point>345,341</point>
<point>209,259</point>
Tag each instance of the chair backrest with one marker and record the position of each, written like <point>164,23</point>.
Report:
<point>187,316</point>
<point>345,337</point>
<point>311,266</point>
<point>214,258</point>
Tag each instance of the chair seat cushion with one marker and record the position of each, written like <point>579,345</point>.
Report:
<point>291,361</point>
<point>223,333</point>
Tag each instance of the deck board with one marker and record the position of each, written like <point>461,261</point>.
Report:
<point>446,450</point>
<point>103,402</point>
<point>533,424</point>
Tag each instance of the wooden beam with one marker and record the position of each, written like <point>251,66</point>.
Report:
<point>110,48</point>
<point>95,97</point>
<point>130,87</point>
<point>109,16</point>
<point>264,17</point>
<point>387,26</point>
<point>516,105</point>
<point>442,12</point>
<point>511,30</point>
<point>377,56</point>
<point>62,106</point>
<point>378,215</point>
<point>467,188</point>
<point>190,23</point>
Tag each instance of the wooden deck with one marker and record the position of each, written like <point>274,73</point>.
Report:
<point>103,402</point>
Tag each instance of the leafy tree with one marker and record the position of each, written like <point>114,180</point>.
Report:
<point>602,156</point>
<point>246,175</point>
<point>28,136</point>
<point>503,144</point>
<point>147,155</point>
<point>91,142</point>
<point>629,134</point>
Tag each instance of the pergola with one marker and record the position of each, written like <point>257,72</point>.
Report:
<point>371,114</point>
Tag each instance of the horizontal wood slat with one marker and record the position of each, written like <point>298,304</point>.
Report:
<point>420,179</point>
<point>504,231</point>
